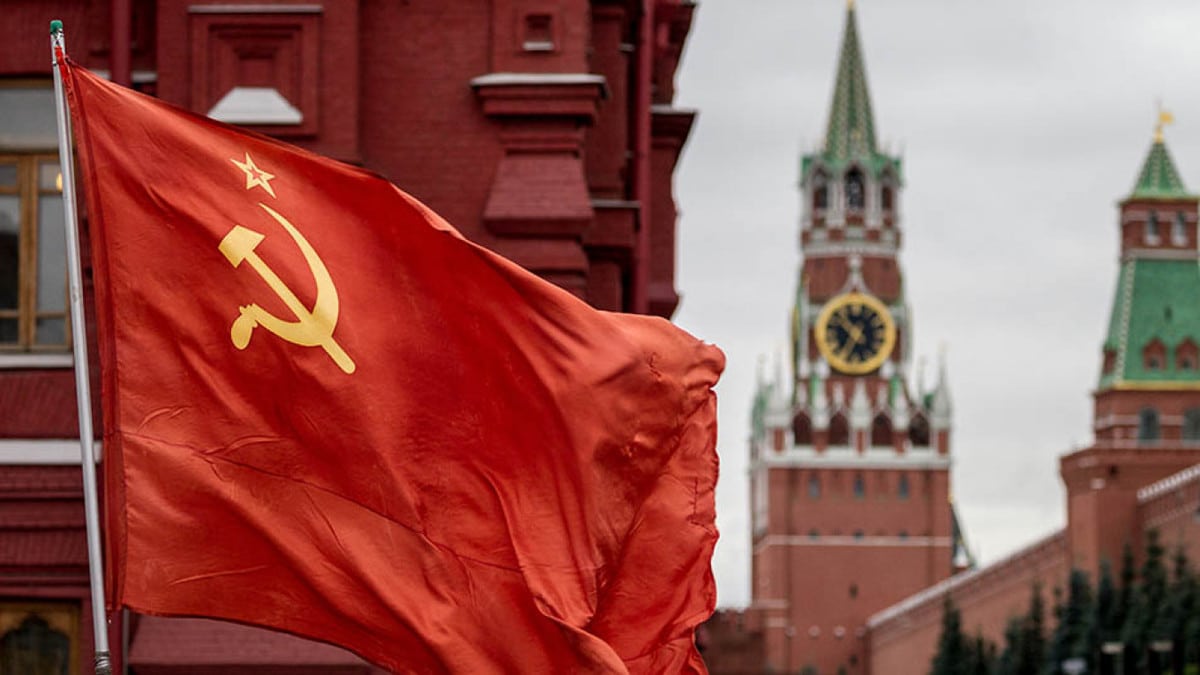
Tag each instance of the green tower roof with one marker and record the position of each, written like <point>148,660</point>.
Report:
<point>1155,300</point>
<point>1159,179</point>
<point>850,137</point>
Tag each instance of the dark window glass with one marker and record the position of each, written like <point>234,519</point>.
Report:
<point>1191,424</point>
<point>1152,227</point>
<point>903,489</point>
<point>34,648</point>
<point>820,197</point>
<point>855,190</point>
<point>1148,425</point>
<point>860,487</point>
<point>814,487</point>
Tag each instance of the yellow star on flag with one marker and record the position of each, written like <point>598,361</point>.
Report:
<point>255,176</point>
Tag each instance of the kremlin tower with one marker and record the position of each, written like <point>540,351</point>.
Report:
<point>849,465</point>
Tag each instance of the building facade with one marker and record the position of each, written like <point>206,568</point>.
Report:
<point>543,129</point>
<point>849,463</point>
<point>1141,472</point>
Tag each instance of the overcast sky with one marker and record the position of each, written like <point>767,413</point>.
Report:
<point>1021,123</point>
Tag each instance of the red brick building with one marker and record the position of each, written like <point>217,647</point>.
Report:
<point>543,129</point>
<point>849,464</point>
<point>1140,472</point>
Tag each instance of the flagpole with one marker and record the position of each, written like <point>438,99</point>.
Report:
<point>83,392</point>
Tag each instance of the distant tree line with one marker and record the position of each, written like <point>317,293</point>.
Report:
<point>1144,622</point>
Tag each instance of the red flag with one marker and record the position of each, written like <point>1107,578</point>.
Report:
<point>328,413</point>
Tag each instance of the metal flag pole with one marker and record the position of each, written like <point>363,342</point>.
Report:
<point>83,392</point>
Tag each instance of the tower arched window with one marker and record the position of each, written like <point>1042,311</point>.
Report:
<point>856,190</point>
<point>881,430</point>
<point>918,431</point>
<point>820,194</point>
<point>1151,235</point>
<point>887,197</point>
<point>1179,229</point>
<point>1187,355</point>
<point>839,430</point>
<point>1154,355</point>
<point>1148,425</point>
<point>1191,424</point>
<point>802,429</point>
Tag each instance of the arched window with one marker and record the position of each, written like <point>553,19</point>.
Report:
<point>33,646</point>
<point>802,429</point>
<point>1191,424</point>
<point>1179,229</point>
<point>1148,425</point>
<point>1154,355</point>
<point>814,486</point>
<point>918,431</point>
<point>820,196</point>
<point>1151,235</point>
<point>839,430</point>
<point>902,490</point>
<point>856,190</point>
<point>886,197</point>
<point>860,487</point>
<point>881,430</point>
<point>1186,355</point>
<point>1110,361</point>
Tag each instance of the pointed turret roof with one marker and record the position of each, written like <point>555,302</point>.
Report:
<point>850,136</point>
<point>1159,179</point>
<point>851,132</point>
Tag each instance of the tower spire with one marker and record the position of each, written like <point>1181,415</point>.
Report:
<point>851,132</point>
<point>1159,178</point>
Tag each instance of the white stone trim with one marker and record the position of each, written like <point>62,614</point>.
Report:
<point>849,540</point>
<point>824,248</point>
<point>502,79</point>
<point>1160,253</point>
<point>844,457</point>
<point>27,360</point>
<point>667,109</point>
<point>255,105</point>
<point>24,452</point>
<point>1174,481</point>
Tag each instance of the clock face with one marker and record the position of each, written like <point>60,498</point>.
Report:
<point>855,333</point>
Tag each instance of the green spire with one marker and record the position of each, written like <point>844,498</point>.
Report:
<point>851,133</point>
<point>850,137</point>
<point>1159,179</point>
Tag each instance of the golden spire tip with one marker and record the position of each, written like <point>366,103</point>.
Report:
<point>1164,118</point>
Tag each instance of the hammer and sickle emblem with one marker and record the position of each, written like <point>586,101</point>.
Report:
<point>312,328</point>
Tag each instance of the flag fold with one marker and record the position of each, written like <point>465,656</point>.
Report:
<point>328,413</point>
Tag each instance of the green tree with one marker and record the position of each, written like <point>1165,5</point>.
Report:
<point>1179,617</point>
<point>1007,663</point>
<point>1075,633</point>
<point>1144,623</point>
<point>982,657</point>
<point>1033,636</point>
<point>953,652</point>
<point>1025,640</point>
